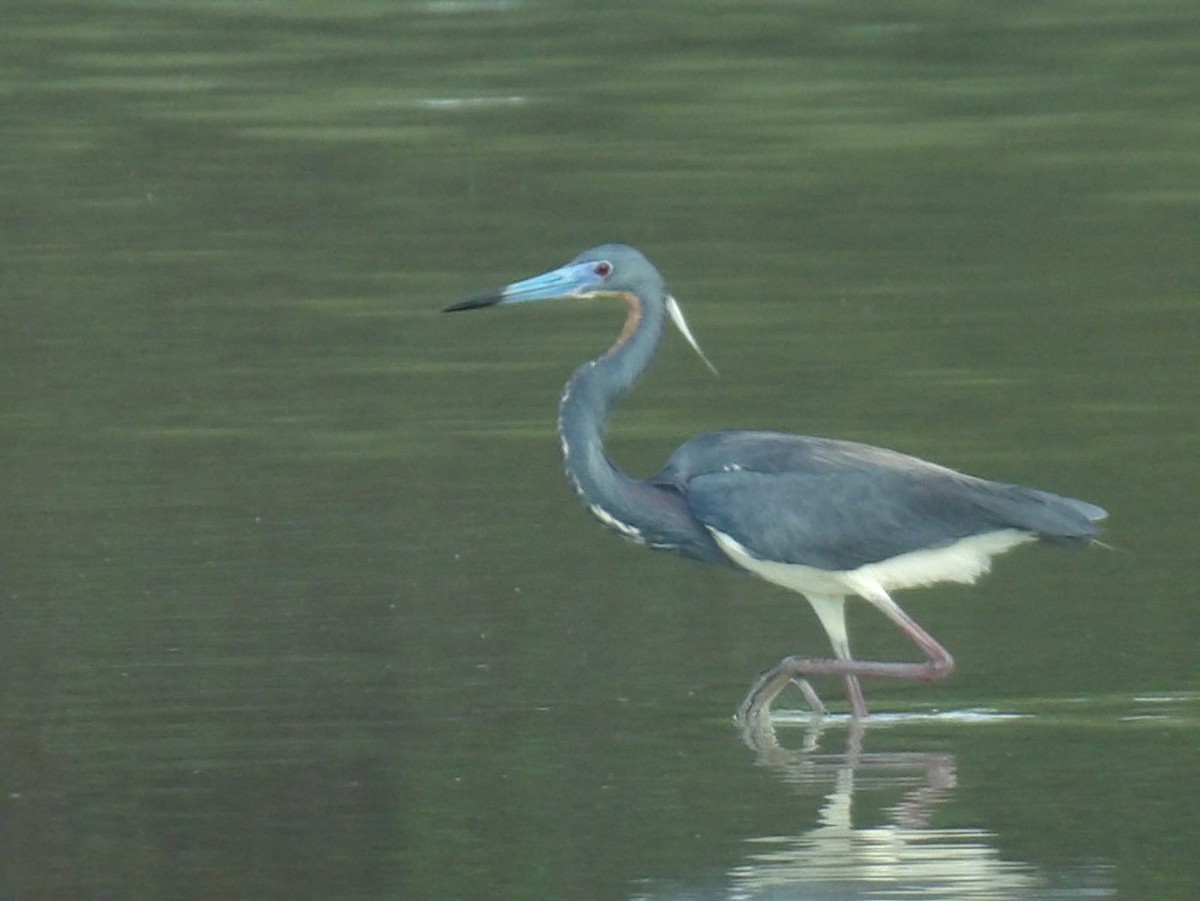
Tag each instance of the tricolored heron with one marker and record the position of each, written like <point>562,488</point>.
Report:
<point>828,519</point>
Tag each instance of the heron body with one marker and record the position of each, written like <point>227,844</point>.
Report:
<point>828,519</point>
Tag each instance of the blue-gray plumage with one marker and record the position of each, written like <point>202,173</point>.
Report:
<point>829,519</point>
<point>837,505</point>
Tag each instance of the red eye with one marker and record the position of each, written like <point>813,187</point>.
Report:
<point>603,268</point>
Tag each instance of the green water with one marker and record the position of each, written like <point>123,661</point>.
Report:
<point>296,602</point>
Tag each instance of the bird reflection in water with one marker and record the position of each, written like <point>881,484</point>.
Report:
<point>896,849</point>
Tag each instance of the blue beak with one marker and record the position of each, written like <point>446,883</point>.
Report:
<point>571,280</point>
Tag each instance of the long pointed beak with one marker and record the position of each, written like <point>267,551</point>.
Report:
<point>571,280</point>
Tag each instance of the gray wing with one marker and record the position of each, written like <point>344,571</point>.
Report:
<point>837,505</point>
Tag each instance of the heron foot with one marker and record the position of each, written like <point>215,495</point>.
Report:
<point>757,702</point>
<point>762,693</point>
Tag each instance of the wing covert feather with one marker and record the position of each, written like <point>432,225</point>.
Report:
<point>837,505</point>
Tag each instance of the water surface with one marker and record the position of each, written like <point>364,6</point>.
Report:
<point>296,600</point>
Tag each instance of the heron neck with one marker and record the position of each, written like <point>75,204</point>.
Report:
<point>588,399</point>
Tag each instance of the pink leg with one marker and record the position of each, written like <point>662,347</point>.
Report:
<point>854,694</point>
<point>938,665</point>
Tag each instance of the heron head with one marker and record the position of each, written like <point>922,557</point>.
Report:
<point>612,269</point>
<point>607,269</point>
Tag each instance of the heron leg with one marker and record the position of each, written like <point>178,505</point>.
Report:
<point>831,610</point>
<point>938,663</point>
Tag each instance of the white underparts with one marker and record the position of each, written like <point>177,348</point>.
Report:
<point>963,561</point>
<point>826,590</point>
<point>831,611</point>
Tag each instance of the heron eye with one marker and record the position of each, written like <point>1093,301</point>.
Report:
<point>603,268</point>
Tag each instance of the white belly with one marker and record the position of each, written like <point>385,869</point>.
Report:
<point>964,561</point>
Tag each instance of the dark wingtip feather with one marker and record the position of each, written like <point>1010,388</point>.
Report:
<point>1063,520</point>
<point>1092,512</point>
